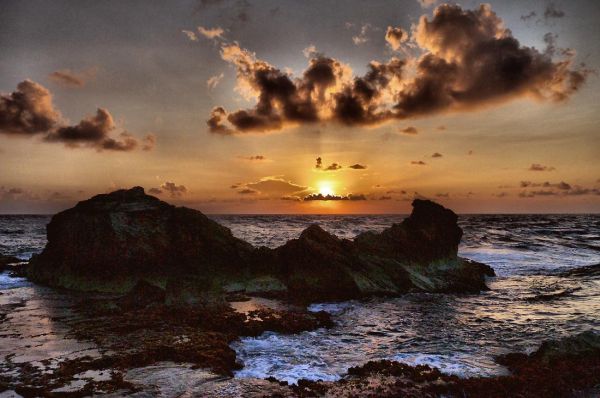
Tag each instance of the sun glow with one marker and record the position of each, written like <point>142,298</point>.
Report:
<point>326,188</point>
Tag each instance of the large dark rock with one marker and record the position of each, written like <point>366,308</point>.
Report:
<point>111,241</point>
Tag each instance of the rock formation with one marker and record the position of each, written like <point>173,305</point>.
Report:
<point>112,241</point>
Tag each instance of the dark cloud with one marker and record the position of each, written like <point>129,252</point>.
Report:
<point>326,85</point>
<point>402,192</point>
<point>552,12</point>
<point>72,79</point>
<point>501,194</point>
<point>437,155</point>
<point>248,191</point>
<point>409,130</point>
<point>561,185</point>
<point>173,189</point>
<point>469,59</point>
<point>253,158</point>
<point>385,198</point>
<point>155,191</point>
<point>320,196</point>
<point>319,163</point>
<point>358,166</point>
<point>94,132</point>
<point>540,167</point>
<point>333,167</point>
<point>528,17</point>
<point>28,111</point>
<point>418,162</point>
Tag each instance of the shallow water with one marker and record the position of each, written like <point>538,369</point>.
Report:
<point>458,333</point>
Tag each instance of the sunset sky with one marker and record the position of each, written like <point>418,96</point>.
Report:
<point>302,106</point>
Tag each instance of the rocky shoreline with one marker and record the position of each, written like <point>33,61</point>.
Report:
<point>161,284</point>
<point>110,242</point>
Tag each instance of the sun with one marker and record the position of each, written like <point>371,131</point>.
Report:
<point>326,188</point>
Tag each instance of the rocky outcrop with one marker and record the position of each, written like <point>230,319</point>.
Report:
<point>111,241</point>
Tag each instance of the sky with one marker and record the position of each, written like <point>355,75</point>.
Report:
<point>239,106</point>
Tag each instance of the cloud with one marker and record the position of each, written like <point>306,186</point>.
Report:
<point>441,128</point>
<point>468,60</point>
<point>28,111</point>
<point>214,81</point>
<point>258,158</point>
<point>529,16</point>
<point>358,166</point>
<point>155,191</point>
<point>211,33</point>
<point>72,79</point>
<point>190,35</point>
<point>320,196</point>
<point>173,189</point>
<point>148,142</point>
<point>395,37</point>
<point>418,162</point>
<point>362,38</point>
<point>93,132</point>
<point>561,185</point>
<point>275,186</point>
<point>325,91</point>
<point>552,12</point>
<point>248,191</point>
<point>310,51</point>
<point>333,167</point>
<point>385,198</point>
<point>501,194</point>
<point>442,195</point>
<point>539,167</point>
<point>409,130</point>
<point>292,198</point>
<point>437,155</point>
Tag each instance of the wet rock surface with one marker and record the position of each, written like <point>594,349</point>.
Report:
<point>105,336</point>
<point>563,368</point>
<point>110,242</point>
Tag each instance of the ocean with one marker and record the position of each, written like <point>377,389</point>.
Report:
<point>530,300</point>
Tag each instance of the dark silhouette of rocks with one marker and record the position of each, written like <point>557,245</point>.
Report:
<point>6,261</point>
<point>112,241</point>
